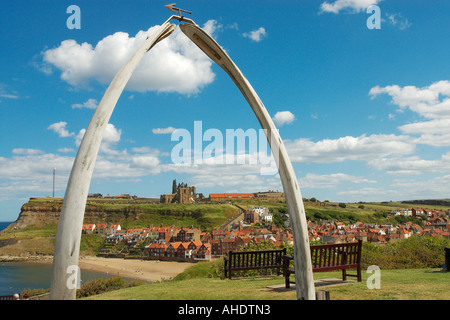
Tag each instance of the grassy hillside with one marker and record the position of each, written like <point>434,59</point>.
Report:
<point>372,212</point>
<point>131,213</point>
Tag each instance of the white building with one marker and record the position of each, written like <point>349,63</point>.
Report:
<point>267,217</point>
<point>402,212</point>
<point>259,210</point>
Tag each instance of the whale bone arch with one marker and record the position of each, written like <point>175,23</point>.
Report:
<point>67,244</point>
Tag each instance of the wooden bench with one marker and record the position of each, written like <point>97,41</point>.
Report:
<point>254,260</point>
<point>329,257</point>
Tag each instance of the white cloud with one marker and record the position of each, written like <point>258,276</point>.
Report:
<point>283,117</point>
<point>165,68</point>
<point>211,26</point>
<point>66,150</point>
<point>79,137</point>
<point>330,180</point>
<point>233,26</point>
<point>89,104</point>
<point>111,136</point>
<point>60,129</point>
<point>436,187</point>
<point>431,127</point>
<point>413,165</point>
<point>32,173</point>
<point>23,151</point>
<point>163,130</point>
<point>256,35</point>
<point>362,148</point>
<point>231,177</point>
<point>435,140</point>
<point>434,132</point>
<point>397,20</point>
<point>9,96</point>
<point>371,194</point>
<point>145,161</point>
<point>5,92</point>
<point>142,149</point>
<point>431,102</point>
<point>353,6</point>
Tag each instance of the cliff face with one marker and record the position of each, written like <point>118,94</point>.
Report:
<point>36,215</point>
<point>42,214</point>
<point>39,212</point>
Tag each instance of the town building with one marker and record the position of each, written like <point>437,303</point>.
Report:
<point>258,215</point>
<point>181,193</point>
<point>219,197</point>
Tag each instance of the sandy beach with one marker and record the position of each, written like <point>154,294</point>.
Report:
<point>148,270</point>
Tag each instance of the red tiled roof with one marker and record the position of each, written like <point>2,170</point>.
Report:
<point>231,195</point>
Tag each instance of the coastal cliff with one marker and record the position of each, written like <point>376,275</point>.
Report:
<point>33,233</point>
<point>39,212</point>
<point>37,216</point>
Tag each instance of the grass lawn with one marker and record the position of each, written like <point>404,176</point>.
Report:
<point>405,284</point>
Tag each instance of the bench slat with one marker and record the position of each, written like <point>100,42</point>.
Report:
<point>329,257</point>
<point>253,260</point>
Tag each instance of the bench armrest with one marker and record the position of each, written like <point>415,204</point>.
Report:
<point>286,257</point>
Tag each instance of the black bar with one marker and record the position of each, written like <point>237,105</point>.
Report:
<point>447,258</point>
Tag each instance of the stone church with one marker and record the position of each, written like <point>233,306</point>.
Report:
<point>181,193</point>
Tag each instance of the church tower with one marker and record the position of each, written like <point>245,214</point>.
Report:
<point>174,186</point>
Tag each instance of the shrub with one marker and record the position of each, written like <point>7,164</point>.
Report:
<point>414,252</point>
<point>101,285</point>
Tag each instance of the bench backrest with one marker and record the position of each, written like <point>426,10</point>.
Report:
<point>256,258</point>
<point>336,254</point>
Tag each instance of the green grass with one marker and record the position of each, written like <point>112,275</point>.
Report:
<point>410,284</point>
<point>205,216</point>
<point>404,284</point>
<point>140,213</point>
<point>46,231</point>
<point>91,244</point>
<point>376,212</point>
<point>200,289</point>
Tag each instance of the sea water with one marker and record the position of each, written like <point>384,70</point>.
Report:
<point>4,225</point>
<point>16,277</point>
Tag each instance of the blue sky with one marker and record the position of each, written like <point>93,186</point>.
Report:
<point>364,113</point>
